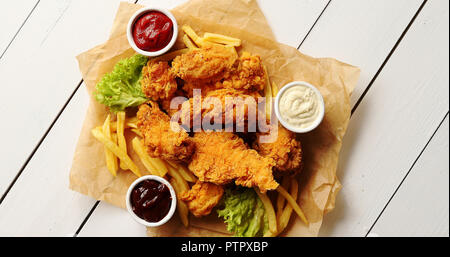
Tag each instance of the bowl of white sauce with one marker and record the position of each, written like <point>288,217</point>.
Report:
<point>299,106</point>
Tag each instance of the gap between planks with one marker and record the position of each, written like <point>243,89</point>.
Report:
<point>406,175</point>
<point>15,35</point>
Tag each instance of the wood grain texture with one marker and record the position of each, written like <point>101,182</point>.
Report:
<point>361,33</point>
<point>99,223</point>
<point>420,207</point>
<point>393,123</point>
<point>12,16</point>
<point>39,72</point>
<point>40,203</point>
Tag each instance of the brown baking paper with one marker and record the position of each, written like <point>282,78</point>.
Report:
<point>242,19</point>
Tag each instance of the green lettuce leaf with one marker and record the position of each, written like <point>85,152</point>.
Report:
<point>121,88</point>
<point>243,212</point>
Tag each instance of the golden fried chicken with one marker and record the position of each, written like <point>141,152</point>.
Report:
<point>223,106</point>
<point>202,197</point>
<point>285,150</point>
<point>163,138</point>
<point>222,157</point>
<point>158,81</point>
<point>208,64</point>
<point>166,103</point>
<point>249,75</point>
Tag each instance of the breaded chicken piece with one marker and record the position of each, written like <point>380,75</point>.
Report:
<point>162,138</point>
<point>223,157</point>
<point>208,64</point>
<point>158,81</point>
<point>217,104</point>
<point>286,151</point>
<point>165,103</point>
<point>202,197</point>
<point>249,75</point>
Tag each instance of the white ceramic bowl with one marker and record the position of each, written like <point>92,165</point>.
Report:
<point>287,125</point>
<point>173,204</point>
<point>136,16</point>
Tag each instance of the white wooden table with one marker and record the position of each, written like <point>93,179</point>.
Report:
<point>394,163</point>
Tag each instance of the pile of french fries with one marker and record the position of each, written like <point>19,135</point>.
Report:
<point>112,135</point>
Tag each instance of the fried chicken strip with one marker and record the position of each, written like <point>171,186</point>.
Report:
<point>285,150</point>
<point>208,64</point>
<point>248,76</point>
<point>158,81</point>
<point>222,157</point>
<point>202,197</point>
<point>162,138</point>
<point>223,106</point>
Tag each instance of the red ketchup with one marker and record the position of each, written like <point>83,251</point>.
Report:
<point>152,31</point>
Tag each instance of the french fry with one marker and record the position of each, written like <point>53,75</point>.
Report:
<point>171,55</point>
<point>131,125</point>
<point>108,143</point>
<point>132,120</point>
<point>274,89</point>
<point>160,165</point>
<point>268,94</point>
<point>114,139</point>
<point>285,216</point>
<point>111,160</point>
<point>183,171</point>
<point>184,186</point>
<point>272,219</point>
<point>189,44</point>
<point>280,199</point>
<point>128,124</point>
<point>192,35</point>
<point>221,39</point>
<point>145,158</point>
<point>232,49</point>
<point>183,210</point>
<point>137,132</point>
<point>293,204</point>
<point>120,136</point>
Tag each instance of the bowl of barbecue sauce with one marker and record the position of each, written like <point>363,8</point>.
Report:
<point>151,200</point>
<point>152,31</point>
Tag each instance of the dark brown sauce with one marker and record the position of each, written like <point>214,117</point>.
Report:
<point>151,200</point>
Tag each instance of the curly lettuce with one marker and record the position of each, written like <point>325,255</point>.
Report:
<point>243,213</point>
<point>121,88</point>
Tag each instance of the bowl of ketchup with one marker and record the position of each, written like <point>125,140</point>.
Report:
<point>152,31</point>
<point>151,200</point>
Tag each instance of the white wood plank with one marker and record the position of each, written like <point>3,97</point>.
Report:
<point>420,207</point>
<point>361,33</point>
<point>109,220</point>
<point>291,19</point>
<point>15,197</point>
<point>393,123</point>
<point>39,72</point>
<point>46,50</point>
<point>12,16</point>
<point>40,203</point>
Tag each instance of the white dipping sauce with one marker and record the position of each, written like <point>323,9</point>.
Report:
<point>300,106</point>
